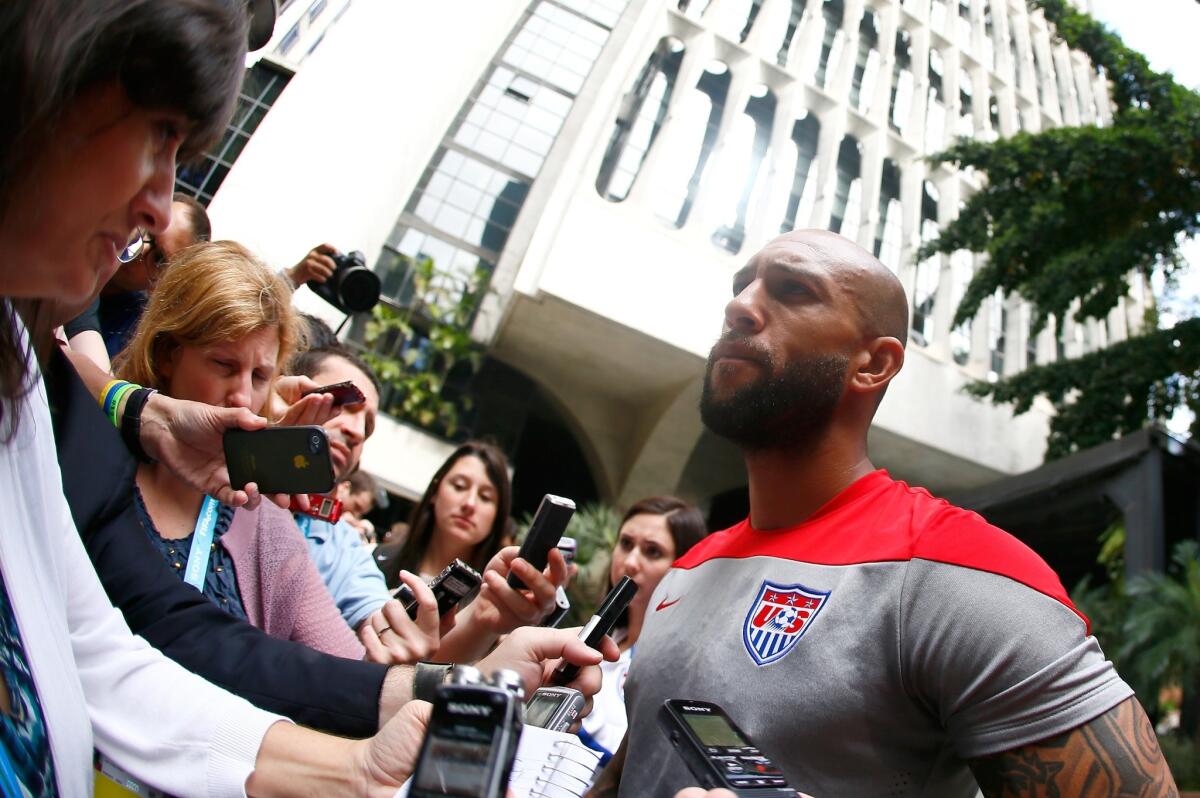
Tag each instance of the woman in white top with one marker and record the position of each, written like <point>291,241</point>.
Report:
<point>654,533</point>
<point>100,98</point>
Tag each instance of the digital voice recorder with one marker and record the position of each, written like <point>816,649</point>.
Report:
<point>718,753</point>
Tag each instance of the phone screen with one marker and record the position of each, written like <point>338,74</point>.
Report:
<point>714,730</point>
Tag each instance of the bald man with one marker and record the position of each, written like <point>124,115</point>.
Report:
<point>870,639</point>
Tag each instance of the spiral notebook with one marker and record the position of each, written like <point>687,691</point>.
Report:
<point>549,764</point>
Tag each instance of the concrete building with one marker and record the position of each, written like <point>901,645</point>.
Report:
<point>611,163</point>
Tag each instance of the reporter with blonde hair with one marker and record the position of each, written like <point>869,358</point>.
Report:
<point>218,329</point>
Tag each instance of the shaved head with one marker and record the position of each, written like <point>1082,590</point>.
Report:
<point>874,291</point>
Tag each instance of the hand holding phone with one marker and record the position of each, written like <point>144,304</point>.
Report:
<point>456,585</point>
<point>601,623</point>
<point>280,459</point>
<point>345,394</point>
<point>549,523</point>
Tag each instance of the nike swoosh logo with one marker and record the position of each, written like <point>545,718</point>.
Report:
<point>662,605</point>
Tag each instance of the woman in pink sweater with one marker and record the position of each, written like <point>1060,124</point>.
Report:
<point>217,329</point>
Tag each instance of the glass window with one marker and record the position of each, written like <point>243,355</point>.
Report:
<point>935,108</point>
<point>289,40</point>
<point>866,64</point>
<point>966,103</point>
<point>699,120</point>
<point>260,88</point>
<point>832,12</point>
<point>925,283</point>
<point>805,133</point>
<point>639,120</point>
<point>847,197</point>
<point>469,200</point>
<point>1031,339</point>
<point>888,227</point>
<point>789,34</point>
<point>316,8</point>
<point>989,40</point>
<point>557,46</point>
<point>902,83</point>
<point>997,335</point>
<point>964,24</point>
<point>961,272</point>
<point>739,178</point>
<point>1040,76</point>
<point>454,267</point>
<point>606,12</point>
<point>513,121</point>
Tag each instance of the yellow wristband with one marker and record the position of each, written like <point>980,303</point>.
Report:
<point>104,391</point>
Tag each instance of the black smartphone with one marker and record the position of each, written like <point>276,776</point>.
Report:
<point>549,523</point>
<point>718,753</point>
<point>456,584</point>
<point>280,459</point>
<point>344,393</point>
<point>601,623</point>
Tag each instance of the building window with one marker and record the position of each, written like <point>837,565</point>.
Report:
<point>316,8</point>
<point>997,336</point>
<point>699,122</point>
<point>935,109</point>
<point>743,19</point>
<point>740,176</point>
<point>866,65</point>
<point>639,121</point>
<point>789,34</point>
<point>847,196</point>
<point>902,83</point>
<point>937,15</point>
<point>989,41</point>
<point>1031,338</point>
<point>961,272</point>
<point>993,110</point>
<point>966,104</point>
<point>464,207</point>
<point>888,227</point>
<point>832,12</point>
<point>260,89</point>
<point>806,131</point>
<point>694,8</point>
<point>1015,53</point>
<point>925,282</point>
<point>289,40</point>
<point>964,25</point>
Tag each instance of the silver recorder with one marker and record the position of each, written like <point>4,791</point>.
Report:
<point>471,742</point>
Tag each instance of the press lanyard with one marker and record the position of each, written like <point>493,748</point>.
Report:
<point>202,538</point>
<point>10,787</point>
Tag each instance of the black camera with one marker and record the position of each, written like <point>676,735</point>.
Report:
<point>471,742</point>
<point>352,288</point>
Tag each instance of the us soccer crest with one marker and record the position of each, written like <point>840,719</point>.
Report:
<point>778,618</point>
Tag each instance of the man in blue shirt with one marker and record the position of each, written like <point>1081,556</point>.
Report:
<point>345,565</point>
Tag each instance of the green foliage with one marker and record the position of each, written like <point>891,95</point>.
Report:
<point>1066,216</point>
<point>412,348</point>
<point>594,527</point>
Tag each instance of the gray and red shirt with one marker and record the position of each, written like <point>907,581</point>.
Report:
<point>870,650</point>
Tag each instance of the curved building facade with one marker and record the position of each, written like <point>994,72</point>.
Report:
<point>607,165</point>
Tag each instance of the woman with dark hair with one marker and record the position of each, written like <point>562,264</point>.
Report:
<point>653,534</point>
<point>463,515</point>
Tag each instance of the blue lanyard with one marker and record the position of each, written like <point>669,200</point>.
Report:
<point>10,787</point>
<point>202,538</point>
<point>304,522</point>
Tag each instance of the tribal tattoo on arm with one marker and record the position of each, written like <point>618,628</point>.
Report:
<point>608,784</point>
<point>1113,756</point>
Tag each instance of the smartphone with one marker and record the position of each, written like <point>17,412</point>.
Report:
<point>470,743</point>
<point>344,393</point>
<point>549,523</point>
<point>611,609</point>
<point>718,753</point>
<point>457,584</point>
<point>280,459</point>
<point>554,708</point>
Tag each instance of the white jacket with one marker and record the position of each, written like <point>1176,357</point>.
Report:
<point>100,685</point>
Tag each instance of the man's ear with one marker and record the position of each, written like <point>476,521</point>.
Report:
<point>877,364</point>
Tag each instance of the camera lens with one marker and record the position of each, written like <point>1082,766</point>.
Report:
<point>314,443</point>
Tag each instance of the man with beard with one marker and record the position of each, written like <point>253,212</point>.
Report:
<point>869,638</point>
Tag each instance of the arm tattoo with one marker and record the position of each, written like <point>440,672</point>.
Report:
<point>1113,756</point>
<point>608,784</point>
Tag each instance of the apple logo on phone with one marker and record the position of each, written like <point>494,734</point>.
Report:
<point>300,462</point>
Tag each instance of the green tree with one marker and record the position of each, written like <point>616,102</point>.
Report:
<point>1066,216</point>
<point>414,347</point>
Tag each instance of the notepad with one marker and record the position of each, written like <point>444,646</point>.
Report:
<point>548,765</point>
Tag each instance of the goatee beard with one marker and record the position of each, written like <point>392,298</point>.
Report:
<point>790,410</point>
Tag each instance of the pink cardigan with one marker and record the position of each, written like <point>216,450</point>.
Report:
<point>281,590</point>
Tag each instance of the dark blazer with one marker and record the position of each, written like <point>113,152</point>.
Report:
<point>318,690</point>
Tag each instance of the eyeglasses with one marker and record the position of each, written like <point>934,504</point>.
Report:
<point>136,244</point>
